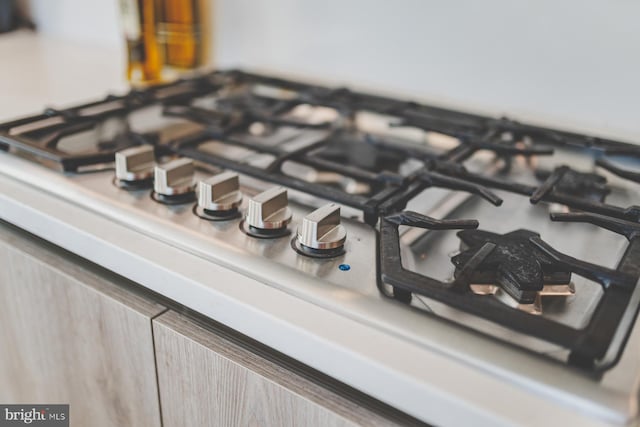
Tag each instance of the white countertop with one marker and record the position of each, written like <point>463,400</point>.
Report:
<point>430,386</point>
<point>37,72</point>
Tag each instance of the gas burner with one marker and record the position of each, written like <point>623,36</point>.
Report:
<point>514,266</point>
<point>589,186</point>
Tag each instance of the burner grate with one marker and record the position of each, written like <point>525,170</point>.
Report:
<point>380,174</point>
<point>590,347</point>
<point>40,136</point>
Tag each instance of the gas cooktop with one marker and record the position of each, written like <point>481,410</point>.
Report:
<point>522,233</point>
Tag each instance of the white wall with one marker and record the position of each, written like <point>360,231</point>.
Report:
<point>569,63</point>
<point>83,21</point>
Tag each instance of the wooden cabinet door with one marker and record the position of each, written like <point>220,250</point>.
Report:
<point>71,333</point>
<point>207,380</point>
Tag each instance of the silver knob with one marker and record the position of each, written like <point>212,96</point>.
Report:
<point>220,193</point>
<point>174,178</point>
<point>135,163</point>
<point>269,210</point>
<point>321,229</point>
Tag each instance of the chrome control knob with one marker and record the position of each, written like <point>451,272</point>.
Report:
<point>135,165</point>
<point>174,181</point>
<point>269,210</point>
<point>220,193</point>
<point>321,229</point>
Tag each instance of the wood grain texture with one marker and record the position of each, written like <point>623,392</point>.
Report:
<point>70,334</point>
<point>207,380</point>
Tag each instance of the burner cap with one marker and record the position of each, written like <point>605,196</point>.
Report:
<point>514,265</point>
<point>585,185</point>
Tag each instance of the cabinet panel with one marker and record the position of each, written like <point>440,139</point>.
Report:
<point>70,333</point>
<point>207,380</point>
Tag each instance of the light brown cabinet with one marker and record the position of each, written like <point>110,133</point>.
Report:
<point>72,332</point>
<point>206,379</point>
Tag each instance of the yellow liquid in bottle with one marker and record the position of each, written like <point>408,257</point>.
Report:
<point>183,31</point>
<point>144,60</point>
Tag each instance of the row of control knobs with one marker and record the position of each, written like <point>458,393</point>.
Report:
<point>268,214</point>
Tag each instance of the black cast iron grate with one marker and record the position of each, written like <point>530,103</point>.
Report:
<point>40,136</point>
<point>374,161</point>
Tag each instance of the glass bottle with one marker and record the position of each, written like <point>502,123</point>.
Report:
<point>183,33</point>
<point>144,60</point>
